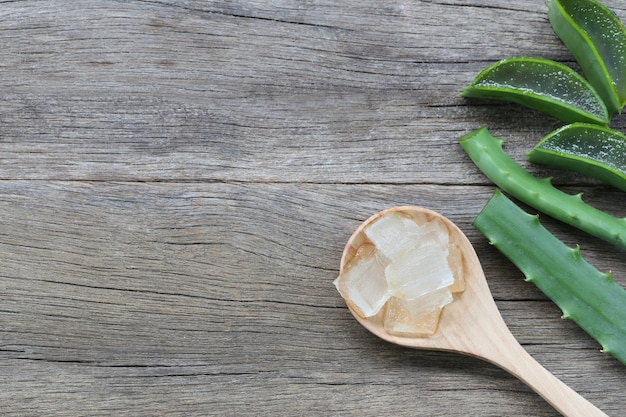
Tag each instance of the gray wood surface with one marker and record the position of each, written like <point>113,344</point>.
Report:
<point>178,179</point>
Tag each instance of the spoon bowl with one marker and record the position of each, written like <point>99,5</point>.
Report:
<point>472,325</point>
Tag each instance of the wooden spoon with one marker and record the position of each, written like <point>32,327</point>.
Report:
<point>472,325</point>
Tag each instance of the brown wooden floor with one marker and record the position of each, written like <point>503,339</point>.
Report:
<point>178,179</point>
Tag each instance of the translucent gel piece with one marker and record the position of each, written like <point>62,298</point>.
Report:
<point>363,286</point>
<point>422,269</point>
<point>435,231</point>
<point>418,317</point>
<point>392,234</point>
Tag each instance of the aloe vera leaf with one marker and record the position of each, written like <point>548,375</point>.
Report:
<point>596,151</point>
<point>590,298</point>
<point>543,85</point>
<point>486,152</point>
<point>597,39</point>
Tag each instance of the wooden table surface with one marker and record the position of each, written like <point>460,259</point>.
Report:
<point>178,179</point>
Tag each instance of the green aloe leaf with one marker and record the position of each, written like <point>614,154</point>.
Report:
<point>596,151</point>
<point>543,85</point>
<point>488,155</point>
<point>597,39</point>
<point>587,296</point>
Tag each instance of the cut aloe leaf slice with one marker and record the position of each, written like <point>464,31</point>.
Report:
<point>596,151</point>
<point>597,39</point>
<point>543,85</point>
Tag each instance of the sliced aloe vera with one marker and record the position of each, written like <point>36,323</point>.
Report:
<point>597,39</point>
<point>543,85</point>
<point>596,151</point>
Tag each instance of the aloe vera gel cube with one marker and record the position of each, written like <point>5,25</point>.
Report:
<point>419,270</point>
<point>392,234</point>
<point>365,285</point>
<point>416,317</point>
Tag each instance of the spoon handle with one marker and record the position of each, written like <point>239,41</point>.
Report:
<point>521,364</point>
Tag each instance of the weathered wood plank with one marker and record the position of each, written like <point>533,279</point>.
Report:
<point>206,298</point>
<point>232,91</point>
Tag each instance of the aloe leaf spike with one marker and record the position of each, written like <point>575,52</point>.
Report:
<point>486,152</point>
<point>590,298</point>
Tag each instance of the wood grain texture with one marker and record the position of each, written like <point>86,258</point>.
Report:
<point>178,180</point>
